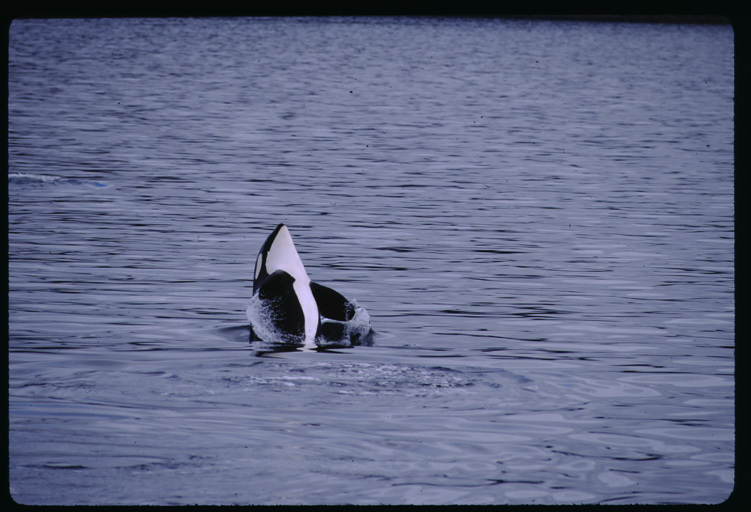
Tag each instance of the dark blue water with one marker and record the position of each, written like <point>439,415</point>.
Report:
<point>538,217</point>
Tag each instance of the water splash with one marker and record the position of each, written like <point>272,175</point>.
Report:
<point>356,331</point>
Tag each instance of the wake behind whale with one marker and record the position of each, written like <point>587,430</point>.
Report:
<point>289,309</point>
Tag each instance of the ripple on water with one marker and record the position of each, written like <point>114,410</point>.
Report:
<point>554,306</point>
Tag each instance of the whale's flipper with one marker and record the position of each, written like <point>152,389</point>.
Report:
<point>343,323</point>
<point>332,304</point>
<point>282,307</point>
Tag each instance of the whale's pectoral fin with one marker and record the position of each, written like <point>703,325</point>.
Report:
<point>282,306</point>
<point>332,304</point>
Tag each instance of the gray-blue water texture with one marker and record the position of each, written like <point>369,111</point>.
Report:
<point>538,216</point>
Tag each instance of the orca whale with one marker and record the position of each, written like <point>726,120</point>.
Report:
<point>288,308</point>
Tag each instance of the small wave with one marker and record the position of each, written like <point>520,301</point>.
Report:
<point>39,180</point>
<point>32,179</point>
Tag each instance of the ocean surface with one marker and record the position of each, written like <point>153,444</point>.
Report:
<point>537,215</point>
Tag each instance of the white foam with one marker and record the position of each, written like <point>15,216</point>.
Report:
<point>358,324</point>
<point>259,318</point>
<point>37,180</point>
<point>32,179</point>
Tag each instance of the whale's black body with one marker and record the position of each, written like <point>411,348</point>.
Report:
<point>296,311</point>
